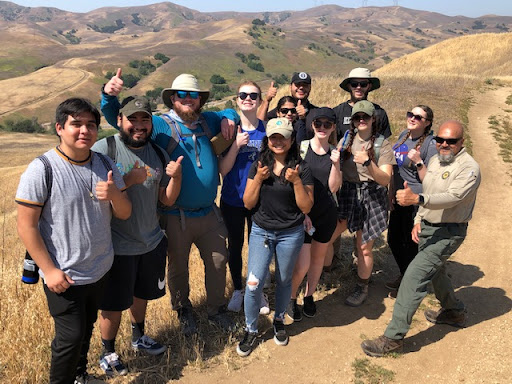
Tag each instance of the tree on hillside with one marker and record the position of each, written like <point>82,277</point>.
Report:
<point>217,79</point>
<point>258,22</point>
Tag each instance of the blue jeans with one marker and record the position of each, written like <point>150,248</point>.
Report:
<point>263,244</point>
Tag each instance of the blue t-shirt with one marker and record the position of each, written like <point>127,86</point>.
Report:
<point>233,184</point>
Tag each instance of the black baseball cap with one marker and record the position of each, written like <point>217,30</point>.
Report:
<point>301,77</point>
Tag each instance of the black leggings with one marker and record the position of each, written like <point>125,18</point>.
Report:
<point>401,222</point>
<point>234,219</point>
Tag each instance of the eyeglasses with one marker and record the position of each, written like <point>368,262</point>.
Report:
<point>451,141</point>
<point>252,95</point>
<point>363,84</point>
<point>326,124</point>
<point>411,115</point>
<point>183,94</point>
<point>285,111</point>
<point>361,116</point>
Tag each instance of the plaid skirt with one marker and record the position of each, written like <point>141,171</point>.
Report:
<point>365,207</point>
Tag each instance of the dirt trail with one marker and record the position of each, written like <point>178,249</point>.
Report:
<point>323,350</point>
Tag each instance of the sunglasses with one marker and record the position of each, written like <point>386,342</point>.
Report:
<point>361,116</point>
<point>252,95</point>
<point>355,84</point>
<point>441,140</point>
<point>326,124</point>
<point>411,115</point>
<point>183,94</point>
<point>285,111</point>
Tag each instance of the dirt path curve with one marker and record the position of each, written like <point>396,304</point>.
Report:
<point>323,350</point>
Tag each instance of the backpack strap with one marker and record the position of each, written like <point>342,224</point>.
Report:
<point>160,153</point>
<point>48,175</point>
<point>105,161</point>
<point>111,151</point>
<point>206,128</point>
<point>175,138</point>
<point>426,144</point>
<point>377,145</point>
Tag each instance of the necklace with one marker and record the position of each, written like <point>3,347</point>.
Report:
<point>72,163</point>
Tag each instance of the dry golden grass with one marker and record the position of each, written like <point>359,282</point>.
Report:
<point>27,327</point>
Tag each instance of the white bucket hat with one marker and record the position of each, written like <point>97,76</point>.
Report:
<point>184,82</point>
<point>360,73</point>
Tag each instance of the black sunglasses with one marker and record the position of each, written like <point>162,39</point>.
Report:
<point>326,124</point>
<point>411,115</point>
<point>252,95</point>
<point>359,116</point>
<point>441,140</point>
<point>285,111</point>
<point>363,84</point>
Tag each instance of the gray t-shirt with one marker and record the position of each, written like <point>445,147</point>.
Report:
<point>141,233</point>
<point>75,227</point>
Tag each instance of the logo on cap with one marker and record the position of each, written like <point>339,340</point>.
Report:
<point>303,75</point>
<point>138,104</point>
<point>279,122</point>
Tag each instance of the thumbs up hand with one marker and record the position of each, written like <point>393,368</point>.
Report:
<point>114,85</point>
<point>406,196</point>
<point>242,138</point>
<point>292,175</point>
<point>414,155</point>
<point>301,110</point>
<point>137,175</point>
<point>174,168</point>
<point>272,92</point>
<point>107,190</point>
<point>262,173</point>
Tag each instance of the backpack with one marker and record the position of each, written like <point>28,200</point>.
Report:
<point>177,136</point>
<point>111,151</point>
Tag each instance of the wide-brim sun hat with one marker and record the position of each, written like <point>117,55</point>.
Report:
<point>360,73</point>
<point>184,82</point>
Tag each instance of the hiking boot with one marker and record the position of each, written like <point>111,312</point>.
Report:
<point>447,316</point>
<point>148,345</point>
<point>381,346</point>
<point>309,307</point>
<point>223,321</point>
<point>112,365</point>
<point>393,294</point>
<point>245,347</point>
<point>280,336</point>
<point>394,284</point>
<point>235,304</point>
<point>264,306</point>
<point>187,321</point>
<point>293,312</point>
<point>357,297</point>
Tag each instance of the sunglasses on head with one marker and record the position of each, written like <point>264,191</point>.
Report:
<point>411,115</point>
<point>285,111</point>
<point>451,141</point>
<point>252,95</point>
<point>363,84</point>
<point>326,124</point>
<point>183,94</point>
<point>360,116</point>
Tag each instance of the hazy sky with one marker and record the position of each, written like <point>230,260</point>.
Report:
<point>448,7</point>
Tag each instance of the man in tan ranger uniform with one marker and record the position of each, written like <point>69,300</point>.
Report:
<point>440,226</point>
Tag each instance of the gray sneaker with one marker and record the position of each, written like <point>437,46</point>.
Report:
<point>357,297</point>
<point>223,321</point>
<point>447,316</point>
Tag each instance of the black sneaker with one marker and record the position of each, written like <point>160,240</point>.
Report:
<point>280,336</point>
<point>309,308</point>
<point>293,312</point>
<point>245,347</point>
<point>223,321</point>
<point>83,378</point>
<point>187,321</point>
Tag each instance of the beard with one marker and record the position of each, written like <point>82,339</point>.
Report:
<point>446,159</point>
<point>186,114</point>
<point>130,141</point>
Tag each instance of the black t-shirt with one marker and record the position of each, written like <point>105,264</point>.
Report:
<point>299,126</point>
<point>320,166</point>
<point>344,116</point>
<point>277,209</point>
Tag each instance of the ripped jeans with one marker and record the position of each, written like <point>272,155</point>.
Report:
<point>286,245</point>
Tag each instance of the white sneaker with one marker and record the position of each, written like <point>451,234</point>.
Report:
<point>264,306</point>
<point>235,304</point>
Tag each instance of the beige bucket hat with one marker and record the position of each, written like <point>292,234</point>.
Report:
<point>184,82</point>
<point>360,73</point>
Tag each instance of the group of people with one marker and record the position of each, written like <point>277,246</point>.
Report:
<point>102,219</point>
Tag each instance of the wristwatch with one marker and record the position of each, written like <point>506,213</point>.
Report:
<point>421,199</point>
<point>367,163</point>
<point>419,165</point>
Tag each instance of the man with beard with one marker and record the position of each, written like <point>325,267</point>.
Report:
<point>359,84</point>
<point>138,272</point>
<point>194,218</point>
<point>440,226</point>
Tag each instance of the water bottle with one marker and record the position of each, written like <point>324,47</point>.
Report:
<point>30,270</point>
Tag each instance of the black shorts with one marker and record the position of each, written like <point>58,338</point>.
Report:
<point>325,225</point>
<point>142,276</point>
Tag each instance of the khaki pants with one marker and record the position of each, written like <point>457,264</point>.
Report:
<point>209,235</point>
<point>436,245</point>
